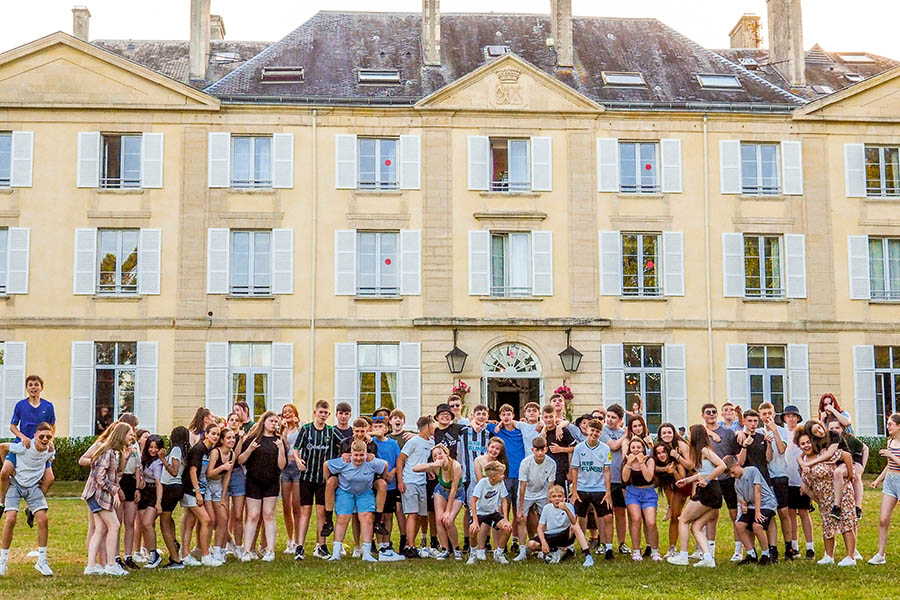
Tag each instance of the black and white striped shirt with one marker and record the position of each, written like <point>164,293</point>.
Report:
<point>315,447</point>
<point>472,444</point>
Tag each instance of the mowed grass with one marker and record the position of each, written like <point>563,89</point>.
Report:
<point>425,579</point>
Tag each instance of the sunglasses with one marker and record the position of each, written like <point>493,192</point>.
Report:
<point>710,412</point>
<point>455,405</point>
<point>379,418</point>
<point>43,437</point>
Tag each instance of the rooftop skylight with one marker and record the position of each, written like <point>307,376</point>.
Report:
<point>282,75</point>
<point>378,76</point>
<point>719,81</point>
<point>856,58</point>
<point>623,78</point>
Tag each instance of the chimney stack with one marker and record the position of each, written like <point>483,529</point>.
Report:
<point>786,40</point>
<point>431,31</point>
<point>747,32</point>
<point>199,46</point>
<point>561,30</point>
<point>81,21</point>
<point>216,27</point>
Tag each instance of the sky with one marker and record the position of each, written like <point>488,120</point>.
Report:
<point>838,25</point>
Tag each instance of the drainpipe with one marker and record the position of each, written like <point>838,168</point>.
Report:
<point>312,287</point>
<point>709,339</point>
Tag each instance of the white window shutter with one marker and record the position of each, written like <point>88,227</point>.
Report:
<point>410,161</point>
<point>676,385</point>
<point>17,258</point>
<point>858,250</point>
<point>282,375</point>
<point>479,162</point>
<point>541,164</point>
<point>673,263</point>
<point>345,262</point>
<point>146,384</point>
<point>610,263</point>
<point>855,170</point>
<point>792,168</point>
<point>738,378</point>
<point>81,390</point>
<point>85,271</point>
<point>282,160</point>
<point>795,265</point>
<point>217,388</point>
<point>607,164</point>
<point>149,261</point>
<point>22,162</point>
<point>542,263</point>
<point>345,162</point>
<point>282,261</point>
<point>613,363</point>
<point>345,379</point>
<point>730,166</point>
<point>218,257</point>
<point>219,159</point>
<point>670,150</point>
<point>88,171</point>
<point>13,378</point>
<point>152,161</point>
<point>733,265</point>
<point>411,380</point>
<point>410,262</point>
<point>479,263</point>
<point>798,377</point>
<point>864,387</point>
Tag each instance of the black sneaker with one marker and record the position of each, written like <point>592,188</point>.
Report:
<point>514,547</point>
<point>773,554</point>
<point>567,555</point>
<point>624,549</point>
<point>790,554</point>
<point>410,552</point>
<point>174,564</point>
<point>121,562</point>
<point>29,517</point>
<point>380,529</point>
<point>835,513</point>
<point>765,560</point>
<point>858,513</point>
<point>130,564</point>
<point>748,560</point>
<point>609,554</point>
<point>810,554</point>
<point>155,560</point>
<point>327,529</point>
<point>299,553</point>
<point>647,552</point>
<point>321,552</point>
<point>466,548</point>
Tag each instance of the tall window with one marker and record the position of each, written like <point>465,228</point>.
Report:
<point>887,384</point>
<point>251,161</point>
<point>117,255</point>
<point>884,268</point>
<point>4,260</point>
<point>377,263</point>
<point>251,368</point>
<point>762,266</point>
<point>377,366</point>
<point>759,168</point>
<point>510,171</point>
<point>377,164</point>
<point>116,368</point>
<point>5,159</point>
<point>882,171</point>
<point>644,380</point>
<point>640,264</point>
<point>766,365</point>
<point>251,263</point>
<point>121,161</point>
<point>639,167</point>
<point>510,264</point>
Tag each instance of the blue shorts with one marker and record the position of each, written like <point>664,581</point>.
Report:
<point>645,497</point>
<point>290,473</point>
<point>346,503</point>
<point>93,505</point>
<point>445,493</point>
<point>237,485</point>
<point>891,485</point>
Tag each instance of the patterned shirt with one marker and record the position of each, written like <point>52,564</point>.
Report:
<point>315,447</point>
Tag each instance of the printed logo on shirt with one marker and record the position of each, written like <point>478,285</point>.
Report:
<point>490,494</point>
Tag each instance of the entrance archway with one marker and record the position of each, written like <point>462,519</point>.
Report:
<point>511,374</point>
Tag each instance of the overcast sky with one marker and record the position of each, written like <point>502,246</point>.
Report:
<point>845,25</point>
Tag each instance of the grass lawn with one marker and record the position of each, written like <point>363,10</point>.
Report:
<point>352,579</point>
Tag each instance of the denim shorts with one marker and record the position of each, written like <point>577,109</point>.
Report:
<point>892,485</point>
<point>213,491</point>
<point>290,473</point>
<point>445,493</point>
<point>645,497</point>
<point>93,505</point>
<point>237,486</point>
<point>346,503</point>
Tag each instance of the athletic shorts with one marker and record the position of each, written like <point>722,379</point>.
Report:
<point>749,518</point>
<point>263,489</point>
<point>312,493</point>
<point>780,487</point>
<point>537,505</point>
<point>170,497</point>
<point>391,498</point>
<point>797,500</point>
<point>562,539</point>
<point>490,519</point>
<point>148,496</point>
<point>592,499</point>
<point>618,495</point>
<point>445,493</point>
<point>415,499</point>
<point>346,503</point>
<point>430,486</point>
<point>290,473</point>
<point>512,491</point>
<point>645,497</point>
<point>128,485</point>
<point>213,491</point>
<point>891,485</point>
<point>711,495</point>
<point>237,485</point>
<point>726,487</point>
<point>33,497</point>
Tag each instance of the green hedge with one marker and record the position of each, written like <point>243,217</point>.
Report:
<point>876,463</point>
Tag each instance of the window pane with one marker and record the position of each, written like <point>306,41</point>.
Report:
<point>653,356</point>
<point>500,165</point>
<point>627,167</point>
<point>518,165</point>
<point>776,389</point>
<point>630,275</point>
<point>876,267</point>
<point>775,357</point>
<point>131,161</point>
<point>367,355</point>
<point>4,242</point>
<point>261,355</point>
<point>752,278</point>
<point>749,171</point>
<point>240,261</point>
<point>873,171</point>
<point>756,357</point>
<point>757,395</point>
<point>769,168</point>
<point>895,356</point>
<point>519,263</point>
<point>129,256</point>
<point>5,158</point>
<point>126,391</point>
<point>893,267</point>
<point>108,255</point>
<point>650,260</point>
<point>882,357</point>
<point>105,393</point>
<point>498,262</point>
<point>388,262</point>
<point>388,164</point>
<point>388,355</point>
<point>105,353</point>
<point>112,157</point>
<point>367,393</point>
<point>240,355</point>
<point>366,163</point>
<point>262,161</point>
<point>633,383</point>
<point>633,356</point>
<point>892,171</point>
<point>366,259</point>
<point>238,387</point>
<point>388,390</point>
<point>773,264</point>
<point>240,161</point>
<point>127,353</point>
<point>262,258</point>
<point>653,410</point>
<point>260,383</point>
<point>648,167</point>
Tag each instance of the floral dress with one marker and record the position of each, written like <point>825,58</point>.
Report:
<point>819,481</point>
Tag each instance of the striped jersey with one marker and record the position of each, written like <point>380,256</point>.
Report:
<point>471,445</point>
<point>315,447</point>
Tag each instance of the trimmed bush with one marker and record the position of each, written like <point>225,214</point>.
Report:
<point>68,451</point>
<point>876,463</point>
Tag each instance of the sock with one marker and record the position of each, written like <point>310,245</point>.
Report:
<point>707,556</point>
<point>403,540</point>
<point>383,545</point>
<point>42,553</point>
<point>752,552</point>
<point>127,556</point>
<point>328,514</point>
<point>336,549</point>
<point>515,539</point>
<point>466,541</point>
<point>810,545</point>
<point>738,548</point>
<point>4,555</point>
<point>378,516</point>
<point>795,544</point>
<point>523,550</point>
<point>683,554</point>
<point>712,546</point>
<point>766,553</point>
<point>367,549</point>
<point>434,542</point>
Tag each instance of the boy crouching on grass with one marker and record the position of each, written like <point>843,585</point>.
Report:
<point>489,504</point>
<point>758,505</point>
<point>558,529</point>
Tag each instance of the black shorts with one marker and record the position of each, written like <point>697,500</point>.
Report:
<point>148,497</point>
<point>391,498</point>
<point>491,519</point>
<point>728,494</point>
<point>797,500</point>
<point>312,493</point>
<point>171,496</point>
<point>563,539</point>
<point>430,484</point>
<point>711,495</point>
<point>128,485</point>
<point>591,499</point>
<point>258,490</point>
<point>618,495</point>
<point>749,518</point>
<point>780,487</point>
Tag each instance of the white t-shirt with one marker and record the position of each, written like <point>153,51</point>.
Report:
<point>537,477</point>
<point>167,478</point>
<point>417,451</point>
<point>529,432</point>
<point>791,454</point>
<point>489,496</point>
<point>778,464</point>
<point>555,520</point>
<point>591,464</point>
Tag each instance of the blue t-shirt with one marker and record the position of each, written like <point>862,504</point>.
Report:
<point>26,417</point>
<point>591,464</point>
<point>515,447</point>
<point>389,450</point>
<point>356,480</point>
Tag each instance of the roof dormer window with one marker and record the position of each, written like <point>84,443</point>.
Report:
<point>378,76</point>
<point>282,75</point>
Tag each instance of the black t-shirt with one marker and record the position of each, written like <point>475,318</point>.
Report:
<point>345,434</point>
<point>449,437</point>
<point>756,455</point>
<point>262,465</point>
<point>371,447</point>
<point>561,458</point>
<point>854,447</point>
<point>195,458</point>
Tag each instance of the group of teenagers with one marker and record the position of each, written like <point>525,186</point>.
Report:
<point>529,487</point>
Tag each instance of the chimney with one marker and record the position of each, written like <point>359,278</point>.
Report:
<point>199,47</point>
<point>786,40</point>
<point>561,30</point>
<point>431,31</point>
<point>81,21</point>
<point>747,32</point>
<point>216,27</point>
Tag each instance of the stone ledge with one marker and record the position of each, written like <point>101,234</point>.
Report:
<point>627,195</point>
<point>119,191</point>
<point>474,322</point>
<point>117,298</point>
<point>118,214</point>
<point>518,215</point>
<point>503,194</point>
<point>6,191</point>
<point>764,197</point>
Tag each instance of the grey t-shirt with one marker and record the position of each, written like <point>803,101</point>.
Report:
<point>778,464</point>
<point>616,467</point>
<point>489,496</point>
<point>417,451</point>
<point>30,463</point>
<point>743,485</point>
<point>728,446</point>
<point>167,478</point>
<point>555,520</point>
<point>537,477</point>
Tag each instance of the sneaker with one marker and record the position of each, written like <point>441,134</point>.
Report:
<point>174,564</point>
<point>238,552</point>
<point>435,552</point>
<point>500,556</point>
<point>327,529</point>
<point>609,554</point>
<point>473,558</point>
<point>246,557</point>
<point>671,551</point>
<point>380,529</point>
<point>773,554</point>
<point>636,556</point>
<point>457,555</point>
<point>647,552</point>
<point>678,559</point>
<point>33,553</point>
<point>624,549</point>
<point>697,555</point>
<point>825,560</point>
<point>388,555</point>
<point>514,546</point>
<point>810,554</point>
<point>210,561</point>
<point>410,552</point>
<point>321,552</point>
<point>442,555</point>
<point>706,562</point>
<point>568,554</point>
<point>750,560</point>
<point>588,561</point>
<point>190,561</point>
<point>29,517</point>
<point>878,559</point>
<point>141,557</point>
<point>115,569</point>
<point>290,548</point>
<point>858,513</point>
<point>357,552</point>
<point>466,548</point>
<point>334,558</point>
<point>790,554</point>
<point>268,556</point>
<point>555,557</point>
<point>737,557</point>
<point>154,560</point>
<point>520,556</point>
<point>655,556</point>
<point>130,564</point>
<point>847,561</point>
<point>765,560</point>
<point>835,513</point>
<point>423,552</point>
<point>857,555</point>
<point>369,558</point>
<point>299,553</point>
<point>95,570</point>
<point>229,549</point>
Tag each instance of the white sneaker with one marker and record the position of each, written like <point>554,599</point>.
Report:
<point>636,556</point>
<point>588,561</point>
<point>679,560</point>
<point>656,556</point>
<point>246,557</point>
<point>672,552</point>
<point>847,561</point>
<point>268,556</point>
<point>706,562</point>
<point>357,552</point>
<point>290,548</point>
<point>230,549</point>
<point>878,559</point>
<point>736,557</point>
<point>369,558</point>
<point>520,557</point>
<point>857,555</point>
<point>210,561</point>
<point>95,570</point>
<point>33,554</point>
<point>555,557</point>
<point>473,557</point>
<point>457,555</point>
<point>3,568</point>
<point>41,566</point>
<point>500,557</point>
<point>114,569</point>
<point>140,557</point>
<point>390,556</point>
<point>825,560</point>
<point>190,561</point>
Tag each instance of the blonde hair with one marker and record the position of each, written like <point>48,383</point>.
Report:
<point>358,446</point>
<point>556,489</point>
<point>495,466</point>
<point>116,440</point>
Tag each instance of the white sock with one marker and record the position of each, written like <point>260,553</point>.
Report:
<point>683,554</point>
<point>4,555</point>
<point>707,556</point>
<point>42,553</point>
<point>336,549</point>
<point>383,545</point>
<point>810,545</point>
<point>367,549</point>
<point>738,548</point>
<point>752,552</point>
<point>765,553</point>
<point>712,546</point>
<point>795,545</point>
<point>523,550</point>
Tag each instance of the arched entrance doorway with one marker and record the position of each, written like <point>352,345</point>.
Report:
<point>511,374</point>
